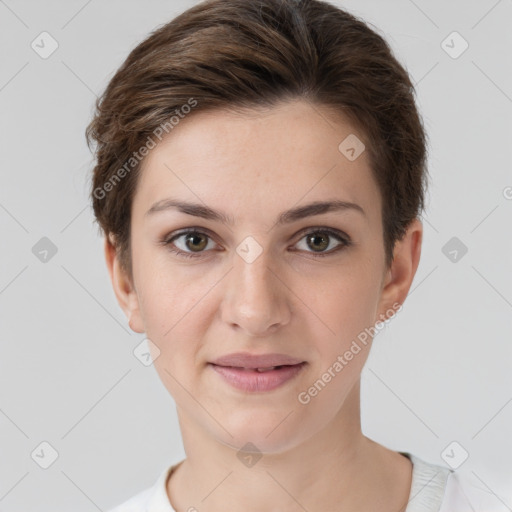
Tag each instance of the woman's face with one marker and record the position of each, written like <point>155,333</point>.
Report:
<point>254,278</point>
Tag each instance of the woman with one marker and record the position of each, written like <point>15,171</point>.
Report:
<point>261,169</point>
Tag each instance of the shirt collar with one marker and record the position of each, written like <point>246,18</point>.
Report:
<point>427,490</point>
<point>158,500</point>
<point>428,485</point>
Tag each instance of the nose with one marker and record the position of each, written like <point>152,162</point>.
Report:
<point>256,300</point>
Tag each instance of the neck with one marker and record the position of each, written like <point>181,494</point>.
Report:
<point>337,468</point>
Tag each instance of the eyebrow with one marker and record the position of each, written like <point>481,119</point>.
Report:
<point>286,217</point>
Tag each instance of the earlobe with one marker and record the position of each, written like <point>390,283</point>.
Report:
<point>123,287</point>
<point>400,275</point>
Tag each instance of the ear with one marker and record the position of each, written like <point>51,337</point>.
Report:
<point>123,288</point>
<point>399,276</point>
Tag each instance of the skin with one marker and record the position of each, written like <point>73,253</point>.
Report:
<point>252,166</point>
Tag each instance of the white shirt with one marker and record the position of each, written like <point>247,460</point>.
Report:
<point>434,489</point>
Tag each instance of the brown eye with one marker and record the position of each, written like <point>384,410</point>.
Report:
<point>318,241</point>
<point>189,243</point>
<point>323,242</point>
<point>196,242</point>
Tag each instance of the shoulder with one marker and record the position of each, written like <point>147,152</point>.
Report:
<point>465,493</point>
<point>441,489</point>
<point>152,499</point>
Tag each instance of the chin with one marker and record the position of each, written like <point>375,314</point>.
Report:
<point>269,432</point>
<point>259,443</point>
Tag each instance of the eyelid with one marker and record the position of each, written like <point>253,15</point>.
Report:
<point>344,240</point>
<point>323,229</point>
<point>340,236</point>
<point>167,240</point>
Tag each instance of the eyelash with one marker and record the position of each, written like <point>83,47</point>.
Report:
<point>338,235</point>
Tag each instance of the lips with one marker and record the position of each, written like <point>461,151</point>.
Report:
<point>253,380</point>
<point>261,370</point>
<point>256,361</point>
<point>257,373</point>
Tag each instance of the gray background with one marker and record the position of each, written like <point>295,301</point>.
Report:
<point>439,373</point>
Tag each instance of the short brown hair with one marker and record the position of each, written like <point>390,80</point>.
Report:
<point>238,54</point>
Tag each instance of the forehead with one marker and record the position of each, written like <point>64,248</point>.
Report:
<point>258,159</point>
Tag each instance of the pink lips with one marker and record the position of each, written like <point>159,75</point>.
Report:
<point>249,372</point>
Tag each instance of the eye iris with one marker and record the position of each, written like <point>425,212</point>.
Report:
<point>194,237</point>
<point>323,238</point>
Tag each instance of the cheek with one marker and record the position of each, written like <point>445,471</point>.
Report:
<point>165,292</point>
<point>174,316</point>
<point>347,304</point>
<point>348,311</point>
<point>171,308</point>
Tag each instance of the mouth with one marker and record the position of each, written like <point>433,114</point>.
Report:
<point>279,367</point>
<point>260,379</point>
